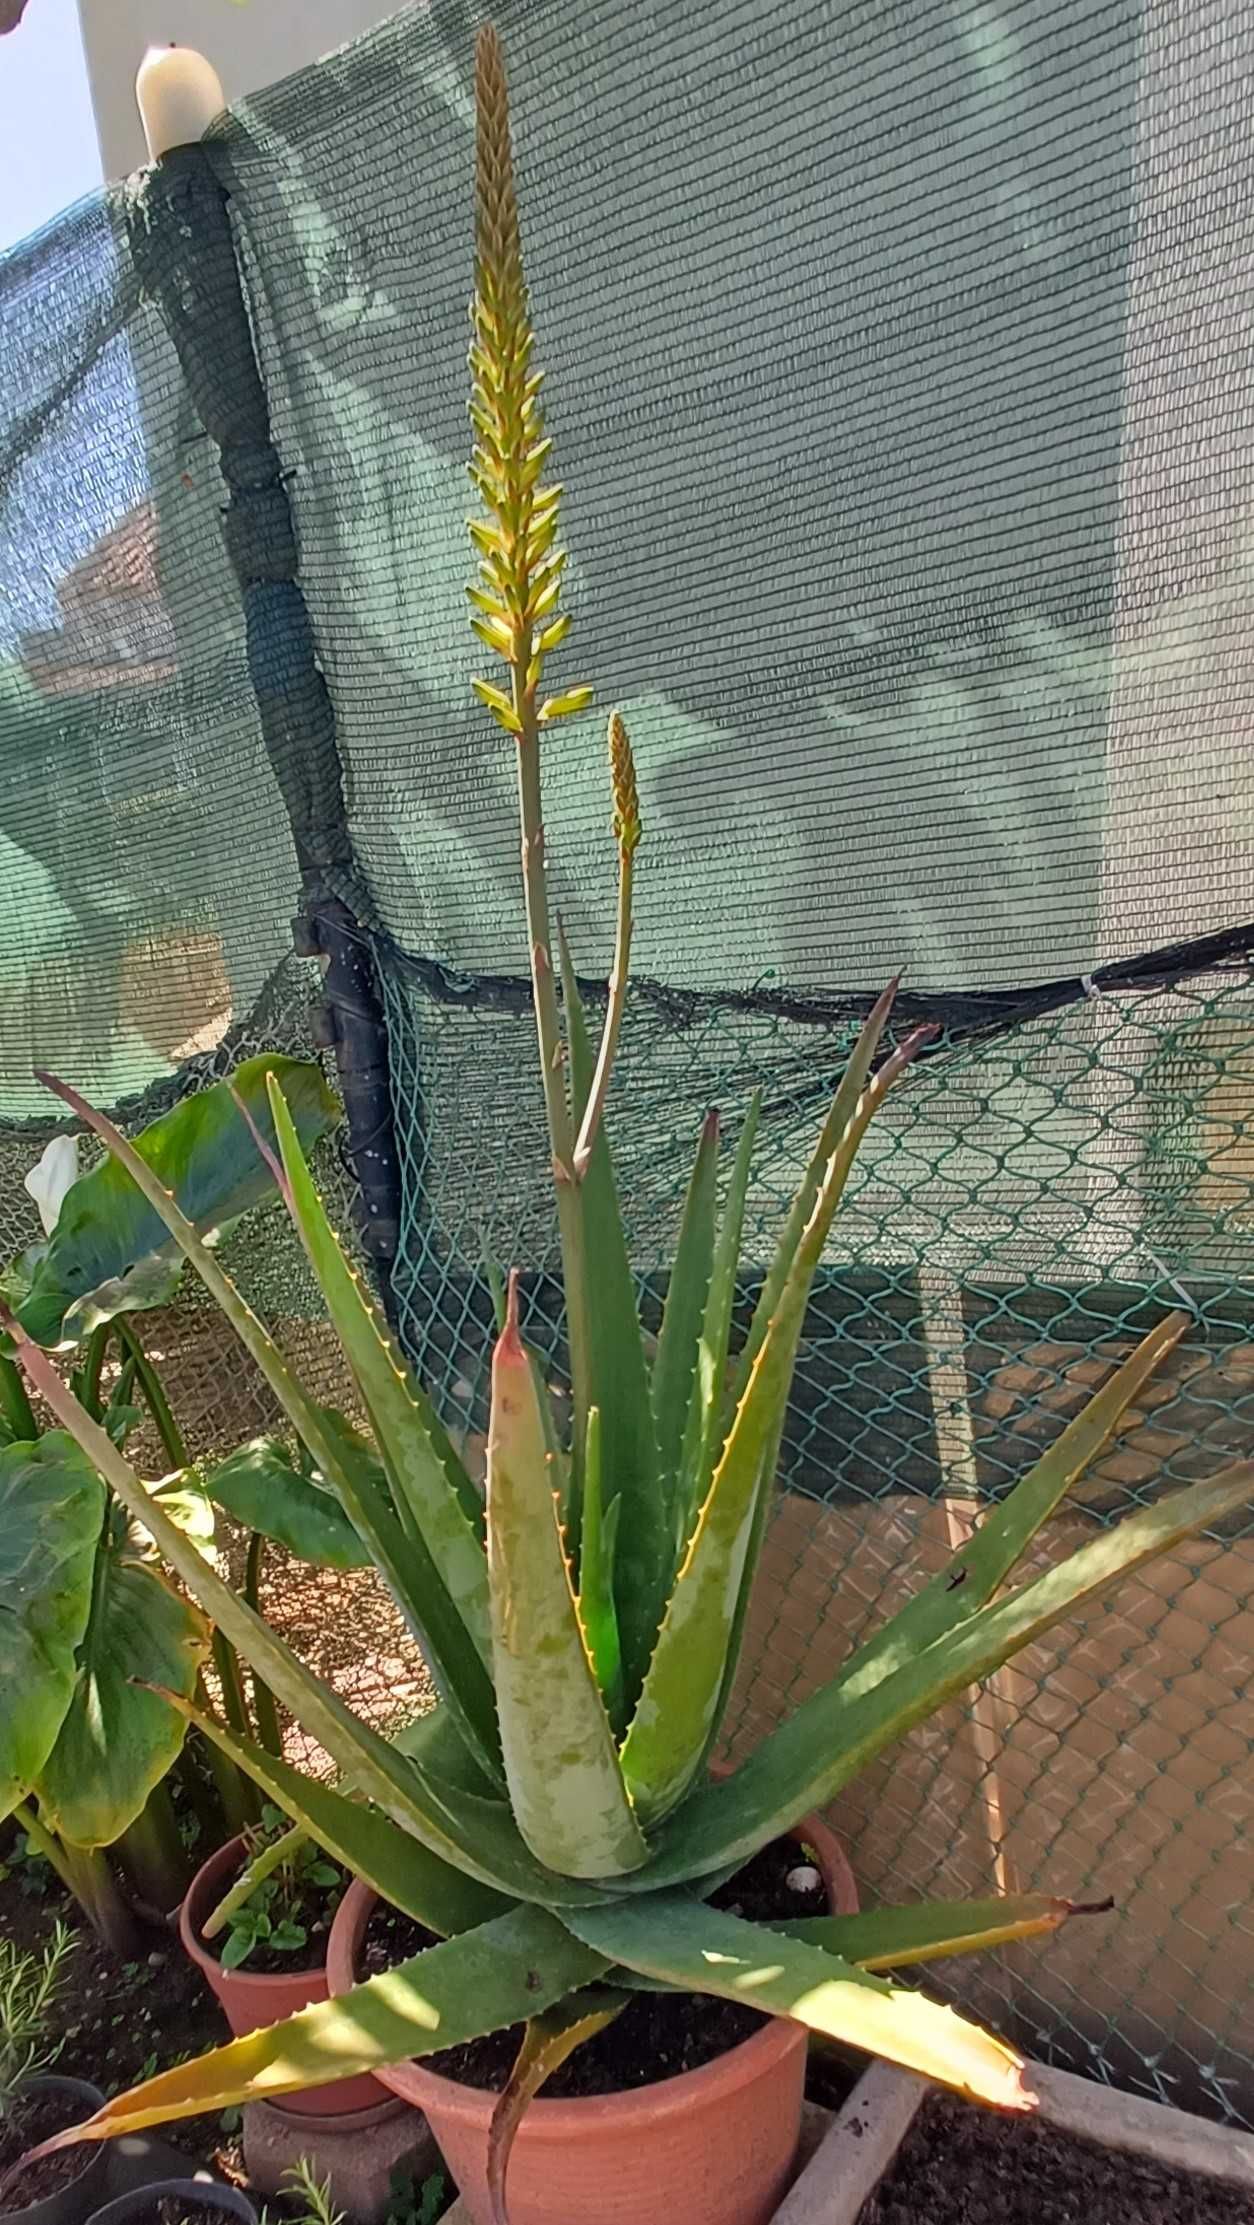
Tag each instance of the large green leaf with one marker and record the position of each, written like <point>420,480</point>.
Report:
<point>689,1674</point>
<point>983,1563</point>
<point>478,1836</point>
<point>401,1416</point>
<point>401,1557</point>
<point>367,1842</point>
<point>262,1487</point>
<point>703,1428</point>
<point>118,1739</point>
<point>675,1367</point>
<point>51,1510</point>
<point>618,1381</point>
<point>547,2041</point>
<point>840,1112</point>
<point>931,1931</point>
<point>673,1937</point>
<point>566,1787</point>
<point>597,1612</point>
<point>498,1975</point>
<point>202,1153</point>
<point>835,1733</point>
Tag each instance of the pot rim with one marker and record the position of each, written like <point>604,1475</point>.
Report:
<point>94,2156</point>
<point>738,2066</point>
<point>203,1955</point>
<point>211,2194</point>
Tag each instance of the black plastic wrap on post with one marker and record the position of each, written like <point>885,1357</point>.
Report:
<point>184,250</point>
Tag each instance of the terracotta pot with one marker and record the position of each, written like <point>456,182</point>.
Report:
<point>252,1998</point>
<point>713,2146</point>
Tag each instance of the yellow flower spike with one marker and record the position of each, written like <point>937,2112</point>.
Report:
<point>521,569</point>
<point>623,783</point>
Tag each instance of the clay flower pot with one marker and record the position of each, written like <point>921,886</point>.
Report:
<point>78,2196</point>
<point>252,1998</point>
<point>714,2146</point>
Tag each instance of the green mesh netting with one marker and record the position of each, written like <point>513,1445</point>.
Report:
<point>898,377</point>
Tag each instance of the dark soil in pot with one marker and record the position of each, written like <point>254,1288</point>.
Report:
<point>658,2035</point>
<point>312,1907</point>
<point>119,2021</point>
<point>35,2117</point>
<point>960,2165</point>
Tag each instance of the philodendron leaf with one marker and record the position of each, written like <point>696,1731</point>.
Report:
<point>151,1282</point>
<point>401,1556</point>
<point>262,1487</point>
<point>51,1510</point>
<point>499,1974</point>
<point>478,1836</point>
<point>671,1936</point>
<point>202,1152</point>
<point>566,1788</point>
<point>119,1737</point>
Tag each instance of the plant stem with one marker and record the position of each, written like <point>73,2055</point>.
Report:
<point>264,1709</point>
<point>152,1853</point>
<point>93,1368</point>
<point>599,1090</point>
<point>85,1872</point>
<point>549,1037</point>
<point>154,1396</point>
<point>251,1876</point>
<point>17,1415</point>
<point>241,1803</point>
<point>234,1705</point>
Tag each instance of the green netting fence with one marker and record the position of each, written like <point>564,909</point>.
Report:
<point>899,375</point>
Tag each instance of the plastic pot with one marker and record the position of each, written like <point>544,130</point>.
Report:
<point>78,2198</point>
<point>714,2146</point>
<point>252,1998</point>
<point>206,2193</point>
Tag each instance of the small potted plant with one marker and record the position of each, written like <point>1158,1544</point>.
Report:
<point>34,2101</point>
<point>179,2202</point>
<point>554,1827</point>
<point>256,1922</point>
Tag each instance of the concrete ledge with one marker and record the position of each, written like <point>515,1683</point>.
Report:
<point>856,2150</point>
<point>866,2134</point>
<point>1172,2137</point>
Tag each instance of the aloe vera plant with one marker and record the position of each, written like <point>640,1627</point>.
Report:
<point>554,1823</point>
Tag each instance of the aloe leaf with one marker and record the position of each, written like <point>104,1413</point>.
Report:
<point>201,1153</point>
<point>596,1577</point>
<point>400,1414</point>
<point>931,1931</point>
<point>982,1565</point>
<point>477,1836</point>
<point>547,2041</point>
<point>675,1367</point>
<point>261,1486</point>
<point>673,1937</point>
<point>499,1974</point>
<point>364,1840</point>
<point>834,1734</point>
<point>402,1558</point>
<point>689,1675</point>
<point>52,1506</point>
<point>566,1787</point>
<point>840,1112</point>
<point>617,1378</point>
<point>707,1406</point>
<point>118,1737</point>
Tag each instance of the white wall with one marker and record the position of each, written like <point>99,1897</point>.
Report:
<point>249,44</point>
